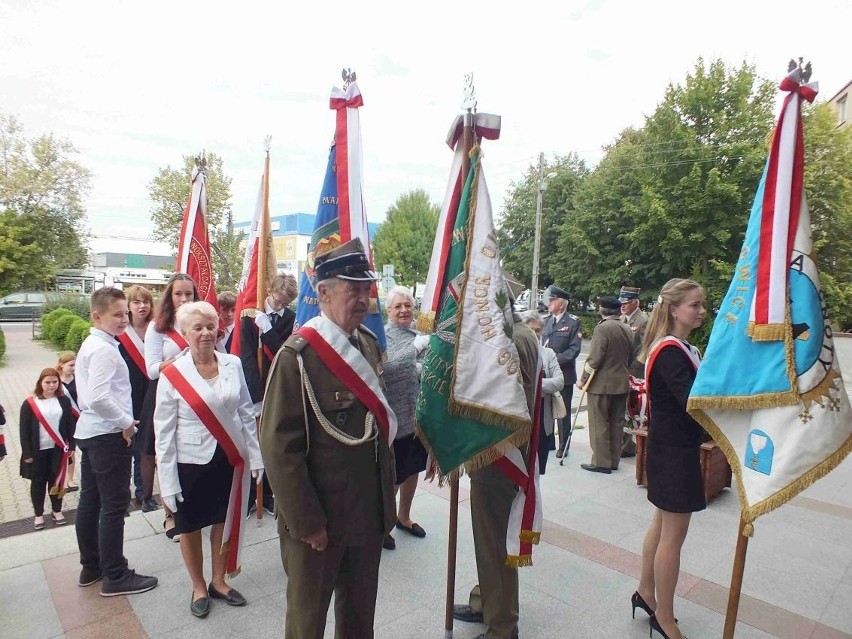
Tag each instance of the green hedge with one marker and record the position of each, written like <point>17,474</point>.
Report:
<point>48,320</point>
<point>77,332</point>
<point>77,304</point>
<point>2,345</point>
<point>59,328</point>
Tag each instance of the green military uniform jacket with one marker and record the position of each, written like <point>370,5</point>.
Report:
<point>317,480</point>
<point>610,355</point>
<point>637,322</point>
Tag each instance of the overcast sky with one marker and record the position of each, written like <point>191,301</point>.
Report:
<point>137,85</point>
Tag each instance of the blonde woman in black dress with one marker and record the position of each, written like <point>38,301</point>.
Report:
<point>673,463</point>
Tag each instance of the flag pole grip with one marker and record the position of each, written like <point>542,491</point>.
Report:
<point>736,582</point>
<point>451,557</point>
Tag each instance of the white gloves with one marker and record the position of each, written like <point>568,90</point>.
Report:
<point>171,501</point>
<point>257,475</point>
<point>420,343</point>
<point>262,322</point>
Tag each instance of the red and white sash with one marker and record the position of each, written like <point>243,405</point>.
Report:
<point>135,347</point>
<point>347,363</point>
<point>75,409</point>
<point>58,487</point>
<point>655,350</point>
<point>525,516</point>
<point>177,338</point>
<point>211,411</point>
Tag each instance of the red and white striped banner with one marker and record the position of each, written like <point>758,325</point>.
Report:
<point>782,201</point>
<point>347,138</point>
<point>194,256</point>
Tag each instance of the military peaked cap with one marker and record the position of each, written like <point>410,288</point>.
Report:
<point>628,294</point>
<point>554,292</point>
<point>346,262</point>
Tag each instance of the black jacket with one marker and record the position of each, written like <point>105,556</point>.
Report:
<point>565,340</point>
<point>271,342</point>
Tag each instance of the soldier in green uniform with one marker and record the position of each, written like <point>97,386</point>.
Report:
<point>494,601</point>
<point>328,457</point>
<point>610,354</point>
<point>636,320</point>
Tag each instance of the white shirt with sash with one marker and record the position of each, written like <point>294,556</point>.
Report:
<point>135,347</point>
<point>159,347</point>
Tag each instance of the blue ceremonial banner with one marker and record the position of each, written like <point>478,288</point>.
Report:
<point>327,236</point>
<point>769,390</point>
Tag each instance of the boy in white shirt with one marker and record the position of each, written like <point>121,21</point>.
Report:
<point>103,434</point>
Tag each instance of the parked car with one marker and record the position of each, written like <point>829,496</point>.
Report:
<point>21,306</point>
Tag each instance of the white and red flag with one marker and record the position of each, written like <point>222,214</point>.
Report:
<point>194,256</point>
<point>770,389</point>
<point>253,284</point>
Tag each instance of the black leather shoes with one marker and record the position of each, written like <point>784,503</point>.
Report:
<point>463,612</point>
<point>200,607</point>
<point>232,598</point>
<point>595,469</point>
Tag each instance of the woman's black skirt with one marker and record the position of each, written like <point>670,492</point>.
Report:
<point>206,489</point>
<point>410,457</point>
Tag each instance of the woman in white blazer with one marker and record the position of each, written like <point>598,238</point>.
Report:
<point>207,451</point>
<point>552,383</point>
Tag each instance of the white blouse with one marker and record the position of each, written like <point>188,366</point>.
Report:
<point>158,348</point>
<point>52,412</point>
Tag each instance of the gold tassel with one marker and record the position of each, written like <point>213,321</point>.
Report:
<point>249,312</point>
<point>748,530</point>
<point>426,322</point>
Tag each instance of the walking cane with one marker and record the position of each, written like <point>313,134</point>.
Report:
<point>574,421</point>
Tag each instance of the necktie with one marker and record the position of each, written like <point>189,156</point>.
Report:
<point>273,318</point>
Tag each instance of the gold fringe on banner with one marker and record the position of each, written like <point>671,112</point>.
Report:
<point>519,561</point>
<point>249,312</point>
<point>530,536</point>
<point>766,332</point>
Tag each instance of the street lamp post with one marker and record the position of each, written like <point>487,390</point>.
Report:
<point>542,187</point>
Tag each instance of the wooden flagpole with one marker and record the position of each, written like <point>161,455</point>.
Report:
<point>262,285</point>
<point>469,104</point>
<point>736,582</point>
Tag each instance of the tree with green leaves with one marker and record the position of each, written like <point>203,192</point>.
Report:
<point>406,236</point>
<point>42,189</point>
<point>828,185</point>
<point>673,198</point>
<point>516,222</point>
<point>170,189</point>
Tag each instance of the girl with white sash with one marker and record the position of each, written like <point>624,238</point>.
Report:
<point>207,452</point>
<point>66,365</point>
<point>673,459</point>
<point>163,343</point>
<point>47,426</point>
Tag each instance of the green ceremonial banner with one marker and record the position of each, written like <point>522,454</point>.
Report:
<point>453,440</point>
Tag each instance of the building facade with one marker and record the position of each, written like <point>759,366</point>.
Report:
<point>840,102</point>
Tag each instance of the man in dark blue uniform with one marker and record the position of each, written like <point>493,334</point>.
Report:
<point>562,333</point>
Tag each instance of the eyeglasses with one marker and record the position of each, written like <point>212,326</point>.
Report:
<point>278,302</point>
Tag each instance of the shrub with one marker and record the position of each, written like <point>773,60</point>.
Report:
<point>2,345</point>
<point>77,304</point>
<point>48,319</point>
<point>77,332</point>
<point>59,328</point>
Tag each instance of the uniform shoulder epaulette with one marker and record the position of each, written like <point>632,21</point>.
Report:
<point>367,331</point>
<point>574,317</point>
<point>295,342</point>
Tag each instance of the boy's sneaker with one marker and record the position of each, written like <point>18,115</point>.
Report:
<point>88,576</point>
<point>129,584</point>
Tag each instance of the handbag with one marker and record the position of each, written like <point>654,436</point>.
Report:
<point>558,406</point>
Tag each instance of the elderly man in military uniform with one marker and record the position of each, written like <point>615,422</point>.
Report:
<point>636,320</point>
<point>494,601</point>
<point>561,332</point>
<point>605,378</point>
<point>326,435</point>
